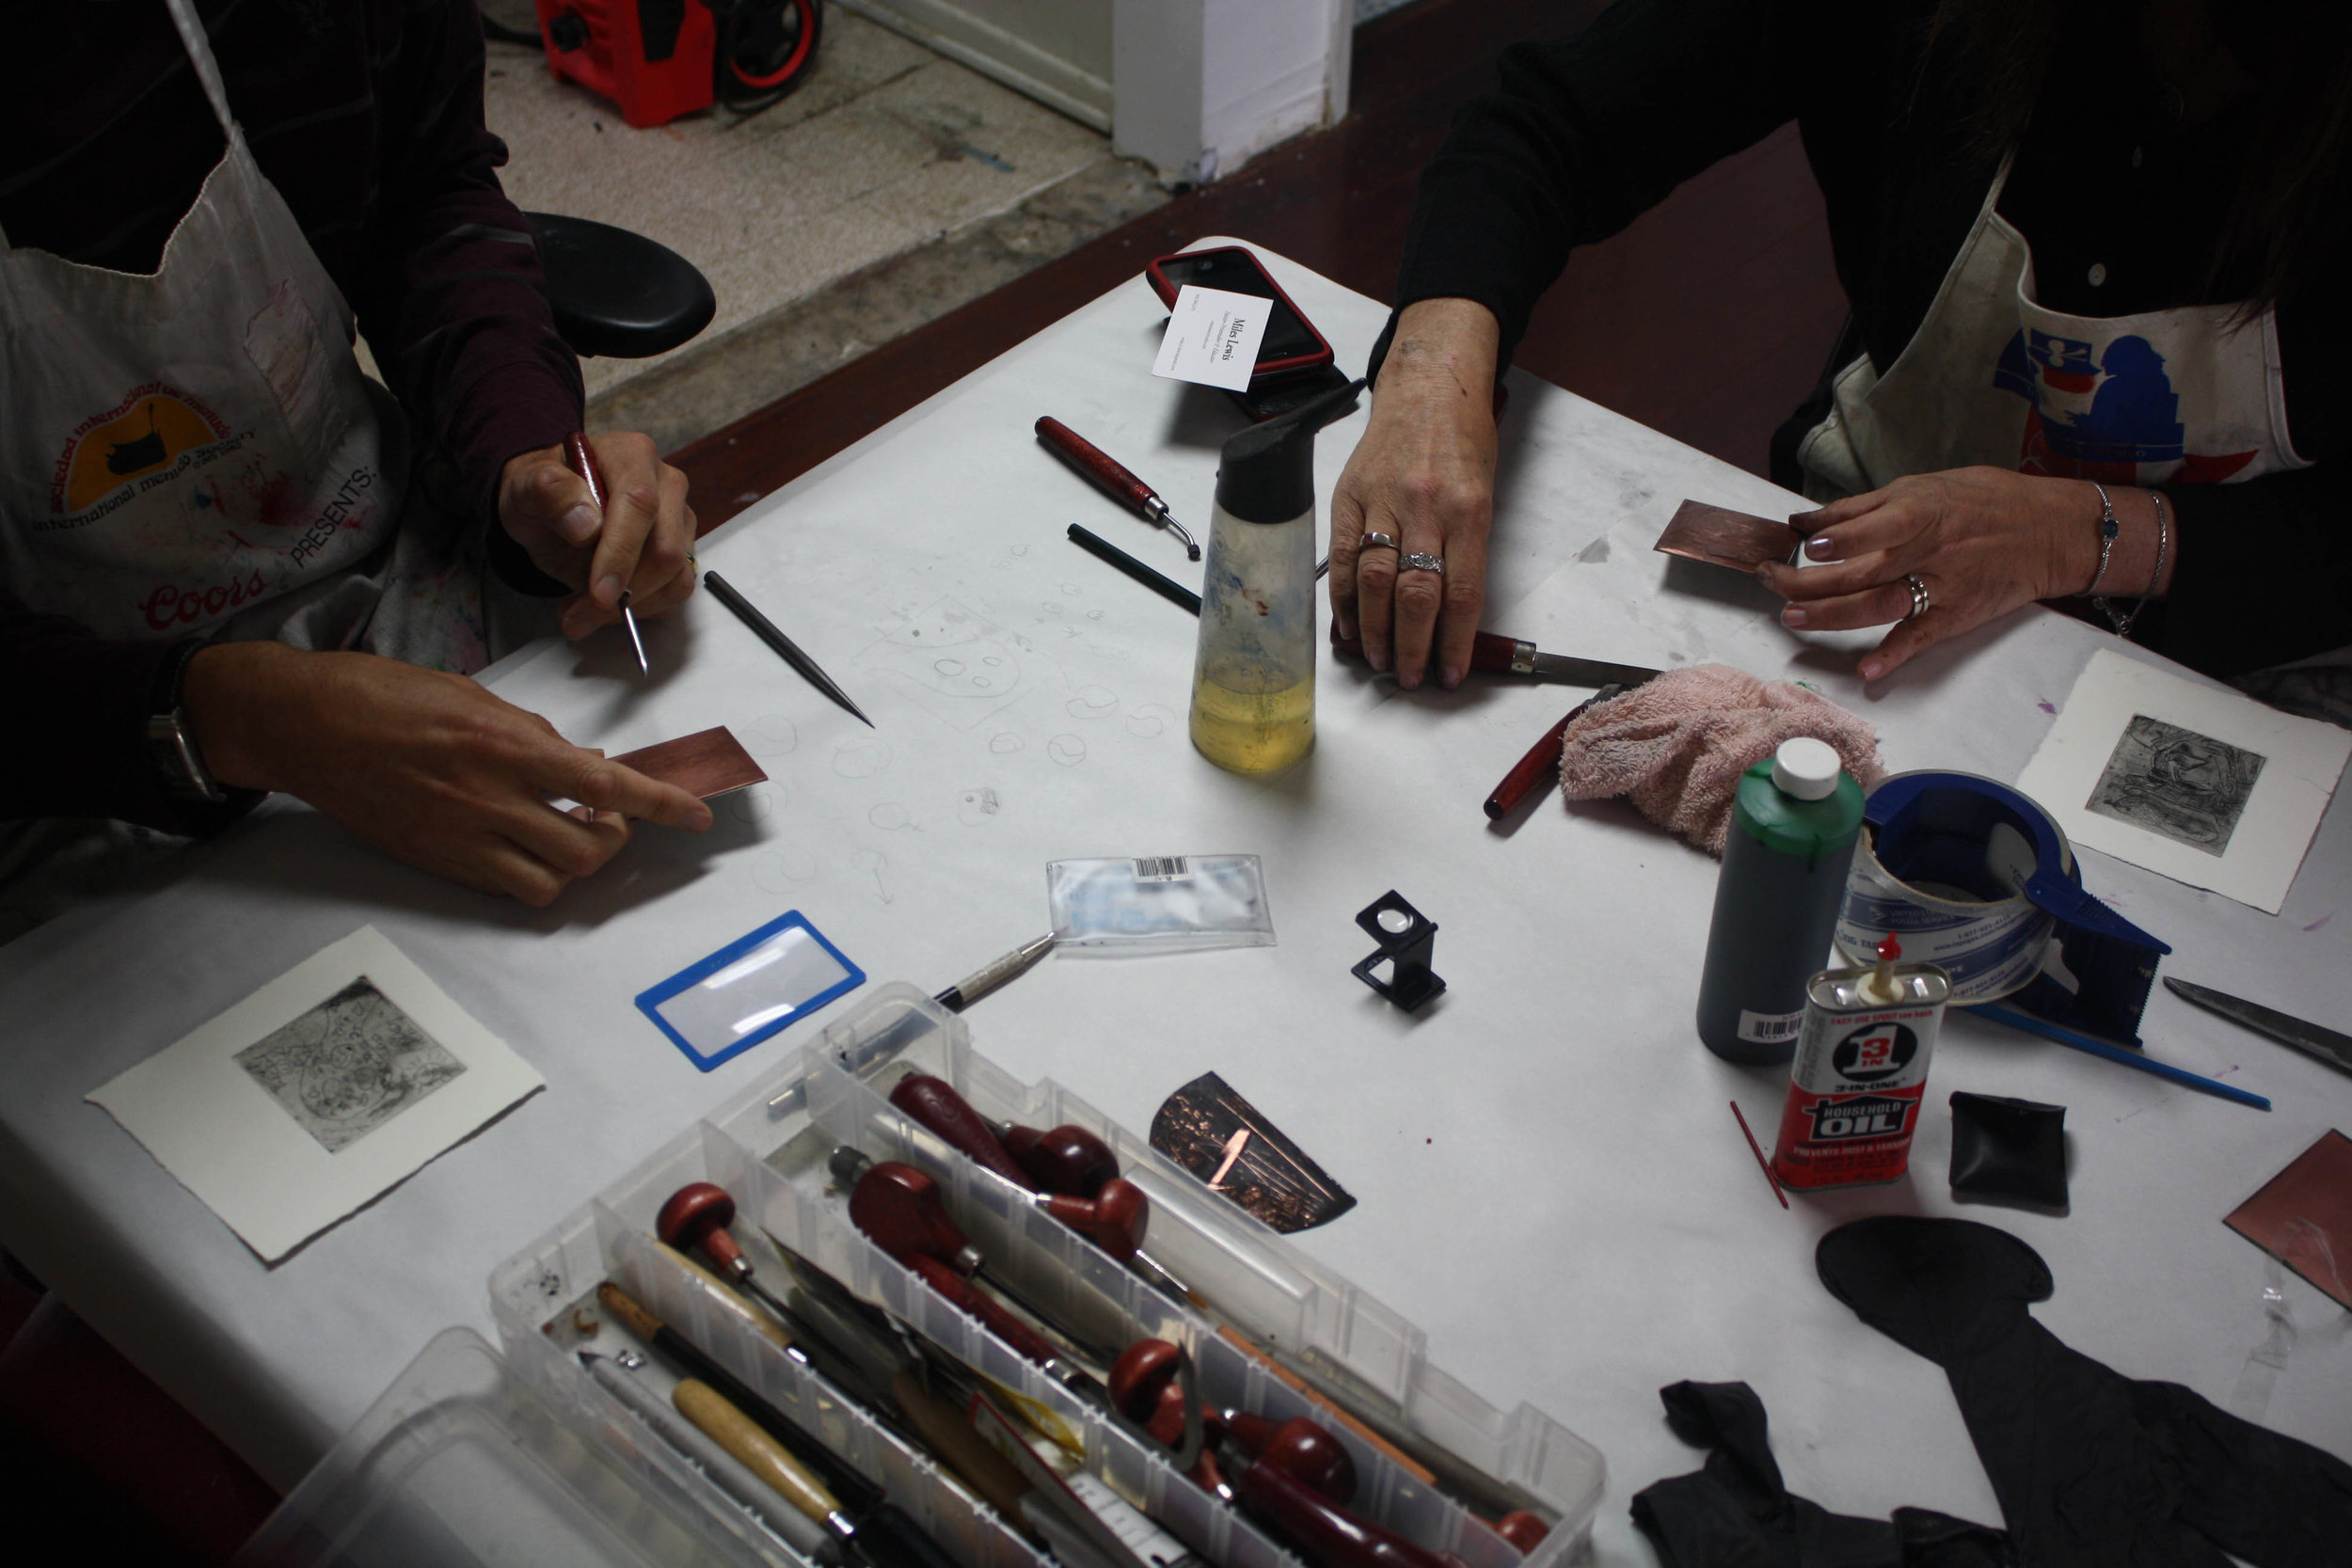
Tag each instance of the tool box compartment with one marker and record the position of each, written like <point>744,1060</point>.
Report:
<point>1321,1324</point>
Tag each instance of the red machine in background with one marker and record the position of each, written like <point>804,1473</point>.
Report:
<point>658,59</point>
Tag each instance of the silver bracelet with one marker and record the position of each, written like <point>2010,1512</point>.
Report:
<point>2108,528</point>
<point>2122,624</point>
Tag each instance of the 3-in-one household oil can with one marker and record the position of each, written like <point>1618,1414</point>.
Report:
<point>1860,1073</point>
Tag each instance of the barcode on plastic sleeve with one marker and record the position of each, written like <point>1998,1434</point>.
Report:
<point>1163,868</point>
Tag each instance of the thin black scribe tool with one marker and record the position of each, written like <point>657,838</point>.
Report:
<point>789,651</point>
<point>1166,587</point>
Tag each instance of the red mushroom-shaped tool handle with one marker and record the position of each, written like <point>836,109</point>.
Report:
<point>1114,1220</point>
<point>935,1103</point>
<point>898,1207</point>
<point>1067,1160</point>
<point>1144,1371</point>
<point>1327,1535</point>
<point>993,1315</point>
<point>695,1219</point>
<point>1297,1447</point>
<point>1523,1529</point>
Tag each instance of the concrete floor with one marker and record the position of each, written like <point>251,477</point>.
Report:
<point>895,185</point>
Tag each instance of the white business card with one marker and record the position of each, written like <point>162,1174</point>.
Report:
<point>1213,338</point>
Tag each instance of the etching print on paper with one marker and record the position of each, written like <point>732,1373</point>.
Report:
<point>2189,788</point>
<point>349,1065</point>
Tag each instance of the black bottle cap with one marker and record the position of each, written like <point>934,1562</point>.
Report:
<point>1267,474</point>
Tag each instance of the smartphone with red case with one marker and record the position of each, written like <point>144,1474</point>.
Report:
<point>1292,346</point>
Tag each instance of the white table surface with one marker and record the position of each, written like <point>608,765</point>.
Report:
<point>1551,1181</point>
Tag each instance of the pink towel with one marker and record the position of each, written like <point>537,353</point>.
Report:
<point>1676,746</point>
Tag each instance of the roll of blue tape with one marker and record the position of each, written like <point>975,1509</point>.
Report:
<point>1970,875</point>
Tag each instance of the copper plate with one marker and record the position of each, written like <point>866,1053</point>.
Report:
<point>1723,537</point>
<point>710,762</point>
<point>2303,1216</point>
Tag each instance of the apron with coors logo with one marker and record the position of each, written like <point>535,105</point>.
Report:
<point>196,452</point>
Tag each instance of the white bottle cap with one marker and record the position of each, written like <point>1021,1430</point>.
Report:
<point>1806,768</point>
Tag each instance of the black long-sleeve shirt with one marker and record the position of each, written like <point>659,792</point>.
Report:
<point>367,116</point>
<point>1588,133</point>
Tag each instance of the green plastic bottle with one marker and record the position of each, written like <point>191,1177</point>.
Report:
<point>1794,823</point>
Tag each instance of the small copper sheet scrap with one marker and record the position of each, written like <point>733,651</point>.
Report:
<point>705,763</point>
<point>2303,1216</point>
<point>1228,1142</point>
<point>1723,537</point>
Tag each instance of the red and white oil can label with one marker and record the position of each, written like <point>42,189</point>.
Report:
<point>1853,1096</point>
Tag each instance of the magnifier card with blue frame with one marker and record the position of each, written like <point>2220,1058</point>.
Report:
<point>749,989</point>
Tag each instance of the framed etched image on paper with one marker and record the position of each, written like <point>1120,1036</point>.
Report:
<point>2202,784</point>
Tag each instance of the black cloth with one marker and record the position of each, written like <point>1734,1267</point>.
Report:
<point>2091,1467</point>
<point>1736,1512</point>
<point>1587,133</point>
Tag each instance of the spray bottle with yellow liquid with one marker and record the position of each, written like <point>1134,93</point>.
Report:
<point>1254,680</point>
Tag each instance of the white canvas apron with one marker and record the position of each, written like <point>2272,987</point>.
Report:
<point>196,452</point>
<point>2187,396</point>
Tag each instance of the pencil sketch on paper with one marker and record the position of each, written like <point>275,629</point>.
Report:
<point>2189,788</point>
<point>349,1065</point>
<point>951,662</point>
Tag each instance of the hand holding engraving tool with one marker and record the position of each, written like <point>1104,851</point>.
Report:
<point>1113,479</point>
<point>1509,656</point>
<point>583,461</point>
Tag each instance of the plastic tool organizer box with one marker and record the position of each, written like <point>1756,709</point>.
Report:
<point>769,1148</point>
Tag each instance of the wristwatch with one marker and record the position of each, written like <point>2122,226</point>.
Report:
<point>169,745</point>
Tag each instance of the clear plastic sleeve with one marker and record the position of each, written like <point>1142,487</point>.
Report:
<point>1122,908</point>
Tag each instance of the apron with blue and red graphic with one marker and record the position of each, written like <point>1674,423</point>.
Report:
<point>2187,396</point>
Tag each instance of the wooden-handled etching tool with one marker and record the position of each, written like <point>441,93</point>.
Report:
<point>1113,479</point>
<point>583,460</point>
<point>1541,761</point>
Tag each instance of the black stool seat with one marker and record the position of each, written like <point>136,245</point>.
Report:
<point>618,293</point>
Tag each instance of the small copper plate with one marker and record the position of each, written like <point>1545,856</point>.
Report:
<point>710,763</point>
<point>2303,1216</point>
<point>1726,538</point>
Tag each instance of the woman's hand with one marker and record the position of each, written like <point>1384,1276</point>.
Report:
<point>429,768</point>
<point>1982,541</point>
<point>1424,475</point>
<point>643,541</point>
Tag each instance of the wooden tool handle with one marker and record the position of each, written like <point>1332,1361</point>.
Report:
<point>1541,761</point>
<point>736,1303</point>
<point>626,1312</point>
<point>995,1315</point>
<point>583,461</point>
<point>1107,473</point>
<point>1067,1160</point>
<point>898,1209</point>
<point>1404,1461</point>
<point>943,1427</point>
<point>754,1448</point>
<point>1327,1535</point>
<point>935,1103</point>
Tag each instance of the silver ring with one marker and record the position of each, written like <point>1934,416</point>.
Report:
<point>1372,539</point>
<point>1919,600</point>
<point>1421,561</point>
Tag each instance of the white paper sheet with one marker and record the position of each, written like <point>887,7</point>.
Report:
<point>1213,337</point>
<point>317,1093</point>
<point>2202,785</point>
